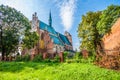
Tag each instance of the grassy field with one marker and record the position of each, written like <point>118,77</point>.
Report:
<point>54,71</point>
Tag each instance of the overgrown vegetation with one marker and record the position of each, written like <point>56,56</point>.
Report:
<point>78,58</point>
<point>25,57</point>
<point>54,71</point>
<point>87,31</point>
<point>107,19</point>
<point>92,28</point>
<point>37,58</point>
<point>95,25</point>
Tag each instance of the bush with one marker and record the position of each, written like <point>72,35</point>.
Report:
<point>65,55</point>
<point>56,59</point>
<point>77,55</point>
<point>18,58</point>
<point>37,58</point>
<point>79,59</point>
<point>25,57</point>
<point>47,60</point>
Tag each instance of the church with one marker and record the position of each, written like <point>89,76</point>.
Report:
<point>50,41</point>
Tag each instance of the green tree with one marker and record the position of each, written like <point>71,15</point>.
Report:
<point>108,18</point>
<point>87,31</point>
<point>30,39</point>
<point>13,25</point>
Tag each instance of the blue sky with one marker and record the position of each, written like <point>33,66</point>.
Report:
<point>66,14</point>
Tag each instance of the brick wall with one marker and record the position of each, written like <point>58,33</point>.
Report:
<point>112,40</point>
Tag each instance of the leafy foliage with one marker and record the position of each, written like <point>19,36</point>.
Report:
<point>77,55</point>
<point>56,58</point>
<point>13,25</point>
<point>38,58</point>
<point>95,25</point>
<point>108,18</point>
<point>26,57</point>
<point>65,55</point>
<point>87,31</point>
<point>30,39</point>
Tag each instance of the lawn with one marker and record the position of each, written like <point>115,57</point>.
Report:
<point>54,71</point>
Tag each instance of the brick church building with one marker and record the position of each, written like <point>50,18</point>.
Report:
<point>50,41</point>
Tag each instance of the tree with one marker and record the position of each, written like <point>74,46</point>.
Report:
<point>30,39</point>
<point>107,19</point>
<point>95,25</point>
<point>13,25</point>
<point>87,31</point>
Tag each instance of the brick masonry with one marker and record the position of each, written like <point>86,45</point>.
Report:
<point>111,41</point>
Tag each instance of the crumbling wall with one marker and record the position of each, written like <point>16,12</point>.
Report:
<point>111,48</point>
<point>112,39</point>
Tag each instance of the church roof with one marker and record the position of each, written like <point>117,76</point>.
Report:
<point>44,26</point>
<point>56,40</point>
<point>64,39</point>
<point>55,36</point>
<point>52,33</point>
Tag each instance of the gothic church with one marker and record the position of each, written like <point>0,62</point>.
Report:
<point>50,41</point>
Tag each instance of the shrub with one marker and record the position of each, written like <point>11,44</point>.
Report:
<point>18,58</point>
<point>25,57</point>
<point>37,58</point>
<point>56,59</point>
<point>79,59</point>
<point>77,55</point>
<point>47,60</point>
<point>65,55</point>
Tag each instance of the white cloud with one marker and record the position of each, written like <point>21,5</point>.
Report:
<point>67,9</point>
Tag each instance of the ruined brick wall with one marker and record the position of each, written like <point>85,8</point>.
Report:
<point>112,40</point>
<point>111,47</point>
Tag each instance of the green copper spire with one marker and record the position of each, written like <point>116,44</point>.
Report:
<point>50,19</point>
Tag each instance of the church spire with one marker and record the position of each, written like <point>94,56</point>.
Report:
<point>50,19</point>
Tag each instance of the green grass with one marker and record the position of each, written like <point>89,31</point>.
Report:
<point>54,71</point>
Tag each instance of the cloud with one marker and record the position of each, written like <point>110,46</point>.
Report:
<point>67,9</point>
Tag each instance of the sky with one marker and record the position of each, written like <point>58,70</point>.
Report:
<point>66,14</point>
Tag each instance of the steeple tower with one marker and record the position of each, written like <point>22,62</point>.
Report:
<point>50,19</point>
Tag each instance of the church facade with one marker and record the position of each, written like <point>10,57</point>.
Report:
<point>50,41</point>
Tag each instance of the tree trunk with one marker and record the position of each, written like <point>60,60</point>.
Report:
<point>3,53</point>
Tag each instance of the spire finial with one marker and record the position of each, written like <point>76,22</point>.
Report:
<point>50,19</point>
